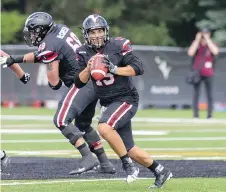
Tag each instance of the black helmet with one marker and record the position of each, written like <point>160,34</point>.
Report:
<point>94,22</point>
<point>36,27</point>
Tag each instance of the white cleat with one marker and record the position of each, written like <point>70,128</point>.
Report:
<point>134,176</point>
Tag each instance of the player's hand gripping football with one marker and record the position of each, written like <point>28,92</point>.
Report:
<point>89,64</point>
<point>111,67</point>
<point>6,61</point>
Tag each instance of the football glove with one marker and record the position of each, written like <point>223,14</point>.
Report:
<point>111,67</point>
<point>26,77</point>
<point>7,61</point>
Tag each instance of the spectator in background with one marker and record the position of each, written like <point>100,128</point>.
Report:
<point>203,50</point>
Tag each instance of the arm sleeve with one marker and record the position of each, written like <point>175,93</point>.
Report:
<point>129,58</point>
<point>134,62</point>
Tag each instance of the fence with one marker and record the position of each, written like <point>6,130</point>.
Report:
<point>163,82</point>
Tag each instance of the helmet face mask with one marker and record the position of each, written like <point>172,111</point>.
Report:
<point>36,27</point>
<point>96,37</point>
<point>95,31</point>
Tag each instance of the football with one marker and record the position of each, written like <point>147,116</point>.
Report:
<point>98,68</point>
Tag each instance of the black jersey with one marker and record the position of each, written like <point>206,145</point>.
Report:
<point>113,87</point>
<point>60,44</point>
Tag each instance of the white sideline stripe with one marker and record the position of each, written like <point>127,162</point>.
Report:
<point>57,131</point>
<point>27,125</point>
<point>65,181</point>
<point>204,158</point>
<point>58,152</point>
<point>155,132</point>
<point>199,131</point>
<point>183,139</point>
<point>136,119</point>
<point>135,139</point>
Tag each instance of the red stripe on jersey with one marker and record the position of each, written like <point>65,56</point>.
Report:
<point>47,56</point>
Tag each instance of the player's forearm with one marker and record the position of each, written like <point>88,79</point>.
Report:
<point>125,71</point>
<point>29,58</point>
<point>17,70</point>
<point>84,75</point>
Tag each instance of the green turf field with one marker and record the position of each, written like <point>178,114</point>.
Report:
<point>187,139</point>
<point>163,140</point>
<point>175,185</point>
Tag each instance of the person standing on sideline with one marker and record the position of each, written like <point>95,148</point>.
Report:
<point>203,51</point>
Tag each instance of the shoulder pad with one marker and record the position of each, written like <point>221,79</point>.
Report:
<point>123,44</point>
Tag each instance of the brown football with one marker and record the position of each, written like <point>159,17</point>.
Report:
<point>98,68</point>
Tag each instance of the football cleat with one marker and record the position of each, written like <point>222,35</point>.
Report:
<point>131,170</point>
<point>88,163</point>
<point>107,168</point>
<point>161,178</point>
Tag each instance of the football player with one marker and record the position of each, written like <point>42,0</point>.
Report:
<point>56,48</point>
<point>117,94</point>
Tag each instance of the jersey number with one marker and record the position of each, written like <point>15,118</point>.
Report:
<point>108,80</point>
<point>73,41</point>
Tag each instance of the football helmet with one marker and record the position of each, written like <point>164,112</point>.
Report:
<point>95,22</point>
<point>36,27</point>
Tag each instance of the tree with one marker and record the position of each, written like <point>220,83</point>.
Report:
<point>215,12</point>
<point>11,25</point>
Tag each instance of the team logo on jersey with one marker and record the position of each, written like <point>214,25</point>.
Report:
<point>42,46</point>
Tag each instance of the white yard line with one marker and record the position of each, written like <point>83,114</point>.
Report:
<point>204,158</point>
<point>27,126</point>
<point>57,131</point>
<point>61,152</point>
<point>136,139</point>
<point>183,139</point>
<point>63,181</point>
<point>135,125</point>
<point>136,119</point>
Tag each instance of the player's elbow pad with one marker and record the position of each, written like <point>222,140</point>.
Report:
<point>78,82</point>
<point>56,87</point>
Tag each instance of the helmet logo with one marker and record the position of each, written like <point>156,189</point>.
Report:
<point>94,17</point>
<point>42,46</point>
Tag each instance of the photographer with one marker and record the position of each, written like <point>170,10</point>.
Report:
<point>203,50</point>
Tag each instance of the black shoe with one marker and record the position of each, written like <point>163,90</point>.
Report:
<point>162,177</point>
<point>87,163</point>
<point>5,161</point>
<point>131,170</point>
<point>107,168</point>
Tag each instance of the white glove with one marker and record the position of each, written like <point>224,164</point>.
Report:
<point>3,60</point>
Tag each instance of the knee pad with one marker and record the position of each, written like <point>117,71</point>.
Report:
<point>72,133</point>
<point>92,138</point>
